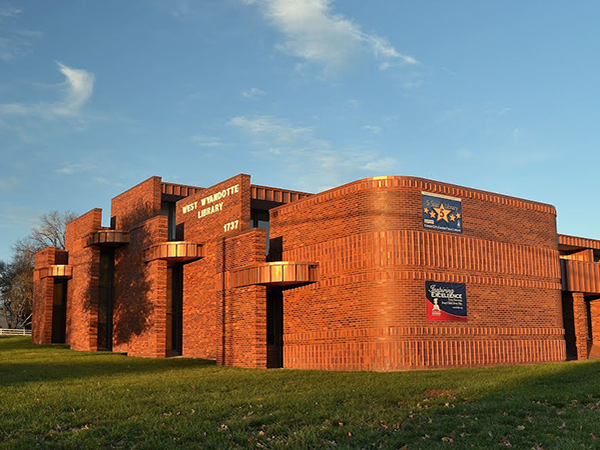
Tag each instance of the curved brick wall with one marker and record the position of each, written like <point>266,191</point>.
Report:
<point>368,311</point>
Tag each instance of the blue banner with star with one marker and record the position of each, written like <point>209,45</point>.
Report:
<point>441,212</point>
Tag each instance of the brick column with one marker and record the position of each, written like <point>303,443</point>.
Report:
<point>43,297</point>
<point>595,311</point>
<point>581,328</point>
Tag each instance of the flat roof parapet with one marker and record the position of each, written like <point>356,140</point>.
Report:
<point>276,194</point>
<point>423,184</point>
<point>180,190</point>
<point>576,242</point>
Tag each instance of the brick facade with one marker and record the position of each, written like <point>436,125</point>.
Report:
<point>82,292</point>
<point>361,306</point>
<point>367,312</point>
<point>140,293</point>
<point>43,293</point>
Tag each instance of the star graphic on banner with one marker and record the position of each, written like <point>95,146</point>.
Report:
<point>452,217</point>
<point>442,213</point>
<point>432,214</point>
<point>458,215</point>
<point>426,210</point>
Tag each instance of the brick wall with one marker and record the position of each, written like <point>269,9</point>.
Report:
<point>221,323</point>
<point>140,203</point>
<point>368,311</point>
<point>82,290</point>
<point>595,319</point>
<point>140,293</point>
<point>233,196</point>
<point>244,316</point>
<point>581,324</point>
<point>594,348</point>
<point>43,293</point>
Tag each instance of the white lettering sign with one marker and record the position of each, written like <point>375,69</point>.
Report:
<point>204,202</point>
<point>190,207</point>
<point>210,210</point>
<point>219,195</point>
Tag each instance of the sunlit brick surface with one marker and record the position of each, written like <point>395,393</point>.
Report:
<point>367,312</point>
<point>351,264</point>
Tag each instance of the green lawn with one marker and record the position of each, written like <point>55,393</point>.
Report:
<point>52,397</point>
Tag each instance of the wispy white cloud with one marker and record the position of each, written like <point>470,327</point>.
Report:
<point>508,157</point>
<point>207,141</point>
<point>8,184</point>
<point>352,103</point>
<point>319,166</point>
<point>449,71</point>
<point>76,90</point>
<point>14,44</point>
<point>74,168</point>
<point>465,153</point>
<point>182,8</point>
<point>413,80</point>
<point>253,93</point>
<point>313,161</point>
<point>185,9</point>
<point>315,33</point>
<point>380,165</point>
<point>373,129</point>
<point>14,41</point>
<point>18,216</point>
<point>79,86</point>
<point>271,127</point>
<point>7,11</point>
<point>498,111</point>
<point>98,179</point>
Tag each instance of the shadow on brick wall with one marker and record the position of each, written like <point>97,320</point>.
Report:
<point>133,308</point>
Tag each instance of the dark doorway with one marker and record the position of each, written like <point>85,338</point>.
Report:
<point>174,311</point>
<point>274,328</point>
<point>569,324</point>
<point>59,312</point>
<point>105,302</point>
<point>588,312</point>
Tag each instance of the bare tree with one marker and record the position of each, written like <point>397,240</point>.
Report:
<point>16,289</point>
<point>16,278</point>
<point>50,233</point>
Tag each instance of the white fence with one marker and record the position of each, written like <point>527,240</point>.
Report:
<point>18,332</point>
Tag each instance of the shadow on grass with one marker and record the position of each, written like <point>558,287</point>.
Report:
<point>24,362</point>
<point>17,343</point>
<point>553,405</point>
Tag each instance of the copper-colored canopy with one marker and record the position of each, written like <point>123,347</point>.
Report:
<point>57,271</point>
<point>280,273</point>
<point>107,238</point>
<point>175,252</point>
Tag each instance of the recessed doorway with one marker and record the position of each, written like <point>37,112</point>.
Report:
<point>174,311</point>
<point>274,328</point>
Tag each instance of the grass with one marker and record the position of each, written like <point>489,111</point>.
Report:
<point>52,397</point>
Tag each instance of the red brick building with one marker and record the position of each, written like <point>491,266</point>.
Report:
<point>384,273</point>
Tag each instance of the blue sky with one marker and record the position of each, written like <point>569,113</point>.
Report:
<point>303,94</point>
